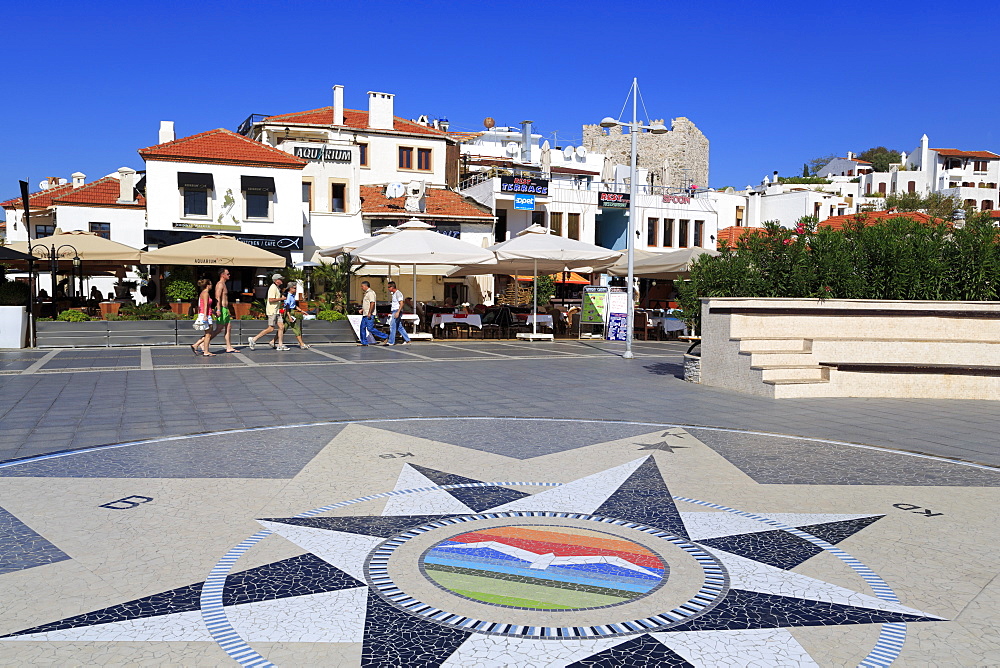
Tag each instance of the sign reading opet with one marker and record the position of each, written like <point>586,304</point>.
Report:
<point>525,185</point>
<point>524,202</point>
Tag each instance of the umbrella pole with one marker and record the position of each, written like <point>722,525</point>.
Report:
<point>534,314</point>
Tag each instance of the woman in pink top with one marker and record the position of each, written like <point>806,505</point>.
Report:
<point>205,311</point>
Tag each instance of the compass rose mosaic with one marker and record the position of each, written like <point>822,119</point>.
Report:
<point>597,555</point>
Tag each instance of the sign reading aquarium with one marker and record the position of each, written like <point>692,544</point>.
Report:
<point>321,154</point>
<point>525,185</point>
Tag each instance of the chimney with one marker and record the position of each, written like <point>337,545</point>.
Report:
<point>126,185</point>
<point>338,105</point>
<point>166,132</point>
<point>53,181</point>
<point>850,155</point>
<point>526,141</point>
<point>78,179</point>
<point>380,110</point>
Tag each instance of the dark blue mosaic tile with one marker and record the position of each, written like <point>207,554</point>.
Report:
<point>298,576</point>
<point>21,547</point>
<point>644,498</point>
<point>477,498</point>
<point>641,652</point>
<point>396,638</point>
<point>783,550</point>
<point>369,525</point>
<point>755,610</point>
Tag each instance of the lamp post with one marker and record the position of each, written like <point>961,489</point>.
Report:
<point>633,129</point>
<point>53,255</point>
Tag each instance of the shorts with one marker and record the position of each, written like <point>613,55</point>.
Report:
<point>224,317</point>
<point>295,326</point>
<point>273,319</point>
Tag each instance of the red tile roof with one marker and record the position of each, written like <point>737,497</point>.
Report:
<point>955,153</point>
<point>102,192</point>
<point>222,147</point>
<point>572,170</point>
<point>863,162</point>
<point>732,234</point>
<point>352,119</point>
<point>441,203</point>
<point>38,200</point>
<point>874,217</point>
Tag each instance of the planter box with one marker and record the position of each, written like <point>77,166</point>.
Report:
<point>143,332</point>
<point>13,326</point>
<point>239,309</point>
<point>324,331</point>
<point>73,334</point>
<point>181,308</point>
<point>109,308</point>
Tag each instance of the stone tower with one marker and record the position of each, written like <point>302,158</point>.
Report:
<point>666,156</point>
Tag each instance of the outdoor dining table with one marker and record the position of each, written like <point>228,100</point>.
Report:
<point>668,324</point>
<point>544,320</point>
<point>442,319</point>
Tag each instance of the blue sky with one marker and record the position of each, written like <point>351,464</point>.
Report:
<point>771,84</point>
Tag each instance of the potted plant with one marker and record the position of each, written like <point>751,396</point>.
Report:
<point>179,288</point>
<point>13,313</point>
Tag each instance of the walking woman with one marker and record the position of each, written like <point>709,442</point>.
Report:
<point>204,313</point>
<point>293,314</point>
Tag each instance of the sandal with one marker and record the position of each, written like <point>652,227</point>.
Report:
<point>208,355</point>
<point>195,350</point>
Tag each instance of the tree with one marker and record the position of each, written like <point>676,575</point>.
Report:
<point>805,170</point>
<point>880,157</point>
<point>935,205</point>
<point>819,163</point>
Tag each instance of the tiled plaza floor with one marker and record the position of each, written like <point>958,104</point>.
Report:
<point>329,507</point>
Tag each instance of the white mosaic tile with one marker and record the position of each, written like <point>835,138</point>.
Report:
<point>759,648</point>
<point>752,575</point>
<point>500,651</point>
<point>702,526</point>
<point>584,495</point>
<point>432,502</point>
<point>346,551</point>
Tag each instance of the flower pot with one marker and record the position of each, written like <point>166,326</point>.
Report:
<point>181,308</point>
<point>109,308</point>
<point>13,326</point>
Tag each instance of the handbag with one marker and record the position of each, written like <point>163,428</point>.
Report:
<point>202,322</point>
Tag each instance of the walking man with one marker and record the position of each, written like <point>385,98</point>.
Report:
<point>368,315</point>
<point>396,317</point>
<point>272,309</point>
<point>223,317</point>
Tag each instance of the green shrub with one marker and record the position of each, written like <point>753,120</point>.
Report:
<point>331,316</point>
<point>180,291</point>
<point>147,311</point>
<point>170,315</point>
<point>70,315</point>
<point>13,293</point>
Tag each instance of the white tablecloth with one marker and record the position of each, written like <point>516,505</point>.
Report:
<point>543,320</point>
<point>441,319</point>
<point>668,324</point>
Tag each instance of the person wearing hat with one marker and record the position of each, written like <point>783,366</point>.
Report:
<point>272,309</point>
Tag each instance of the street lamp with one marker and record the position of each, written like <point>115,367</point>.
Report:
<point>52,253</point>
<point>633,129</point>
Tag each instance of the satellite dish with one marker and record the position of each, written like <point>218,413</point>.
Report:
<point>43,185</point>
<point>511,148</point>
<point>568,152</point>
<point>489,123</point>
<point>581,152</point>
<point>394,190</point>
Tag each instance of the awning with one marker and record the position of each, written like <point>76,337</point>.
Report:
<point>195,180</point>
<point>257,184</point>
<point>563,277</point>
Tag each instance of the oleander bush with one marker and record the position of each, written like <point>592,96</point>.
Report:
<point>13,293</point>
<point>330,316</point>
<point>898,258</point>
<point>70,315</point>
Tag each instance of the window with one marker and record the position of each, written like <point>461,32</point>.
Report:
<point>338,197</point>
<point>911,186</point>
<point>987,205</point>
<point>195,202</point>
<point>101,229</point>
<point>953,163</point>
<point>668,232</point>
<point>424,159</point>
<point>258,205</point>
<point>500,230</point>
<point>740,212</point>
<point>44,231</point>
<point>363,154</point>
<point>652,228</point>
<point>538,218</point>
<point>574,226</point>
<point>555,223</point>
<point>981,165</point>
<point>307,193</point>
<point>405,158</point>
<point>881,188</point>
<point>682,233</point>
<point>699,230</point>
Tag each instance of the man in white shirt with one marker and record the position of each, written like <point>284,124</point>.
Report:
<point>272,308</point>
<point>368,315</point>
<point>396,317</point>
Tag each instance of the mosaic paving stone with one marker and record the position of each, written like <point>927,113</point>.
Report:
<point>476,498</point>
<point>641,652</point>
<point>21,547</point>
<point>644,498</point>
<point>395,638</point>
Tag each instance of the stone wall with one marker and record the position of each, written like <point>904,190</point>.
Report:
<point>666,156</point>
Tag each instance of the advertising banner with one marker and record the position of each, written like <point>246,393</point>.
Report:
<point>525,185</point>
<point>595,305</point>
<point>524,202</point>
<point>613,200</point>
<point>617,327</point>
<point>618,314</point>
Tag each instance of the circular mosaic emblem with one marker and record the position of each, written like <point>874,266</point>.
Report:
<point>540,567</point>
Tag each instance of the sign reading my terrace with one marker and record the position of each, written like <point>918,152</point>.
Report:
<point>523,184</point>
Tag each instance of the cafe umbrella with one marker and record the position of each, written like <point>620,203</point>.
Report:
<point>216,250</point>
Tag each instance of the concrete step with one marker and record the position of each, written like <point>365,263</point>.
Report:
<point>753,345</point>
<point>784,372</point>
<point>758,359</point>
